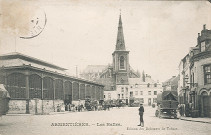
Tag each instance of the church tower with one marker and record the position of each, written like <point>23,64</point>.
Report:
<point>120,58</point>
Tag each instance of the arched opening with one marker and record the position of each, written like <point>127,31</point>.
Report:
<point>88,91</point>
<point>48,88</point>
<point>59,89</point>
<point>16,85</point>
<point>35,86</point>
<point>68,92</point>
<point>205,104</point>
<point>93,92</point>
<point>75,91</point>
<point>98,93</point>
<point>82,91</point>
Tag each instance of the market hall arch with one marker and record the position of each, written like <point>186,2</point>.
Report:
<point>16,85</point>
<point>48,88</point>
<point>35,86</point>
<point>68,92</point>
<point>59,94</point>
<point>88,91</point>
<point>93,92</point>
<point>75,91</point>
<point>82,91</point>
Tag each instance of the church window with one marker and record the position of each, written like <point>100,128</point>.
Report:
<point>203,46</point>
<point>122,62</point>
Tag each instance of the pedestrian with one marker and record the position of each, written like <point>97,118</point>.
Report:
<point>141,113</point>
<point>179,108</point>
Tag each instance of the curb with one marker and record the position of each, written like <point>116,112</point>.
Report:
<point>11,114</point>
<point>197,121</point>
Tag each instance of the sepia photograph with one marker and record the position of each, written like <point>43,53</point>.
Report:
<point>105,67</point>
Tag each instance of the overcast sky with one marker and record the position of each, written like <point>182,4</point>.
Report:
<point>157,34</point>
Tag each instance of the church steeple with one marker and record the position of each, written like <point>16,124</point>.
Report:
<point>120,43</point>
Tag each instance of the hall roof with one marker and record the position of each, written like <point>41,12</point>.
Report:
<point>15,59</point>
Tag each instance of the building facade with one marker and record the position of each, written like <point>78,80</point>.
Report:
<point>196,80</point>
<point>36,86</point>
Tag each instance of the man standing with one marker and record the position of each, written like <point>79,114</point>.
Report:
<point>141,113</point>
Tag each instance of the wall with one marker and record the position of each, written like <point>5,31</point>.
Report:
<point>17,106</point>
<point>36,106</point>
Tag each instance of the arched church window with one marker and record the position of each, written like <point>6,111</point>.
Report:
<point>122,62</point>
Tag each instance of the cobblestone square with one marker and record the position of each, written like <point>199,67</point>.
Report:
<point>122,121</point>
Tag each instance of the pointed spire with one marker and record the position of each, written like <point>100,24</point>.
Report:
<point>120,43</point>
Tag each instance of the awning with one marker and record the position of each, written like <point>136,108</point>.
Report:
<point>3,92</point>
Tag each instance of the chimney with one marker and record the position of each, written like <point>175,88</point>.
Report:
<point>204,27</point>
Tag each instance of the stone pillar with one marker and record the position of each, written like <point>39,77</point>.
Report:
<point>42,98</point>
<point>54,95</point>
<point>85,90</point>
<point>79,91</point>
<point>27,94</point>
<point>72,90</point>
<point>63,89</point>
<point>95,94</point>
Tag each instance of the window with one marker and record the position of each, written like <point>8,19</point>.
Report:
<point>122,96</point>
<point>136,85</point>
<point>155,85</point>
<point>126,89</point>
<point>122,89</point>
<point>136,93</point>
<point>154,100</point>
<point>131,86</point>
<point>207,74</point>
<point>109,95</point>
<point>118,96</point>
<point>131,94</point>
<point>122,62</point>
<point>142,100</point>
<point>104,96</point>
<point>148,85</point>
<point>141,92</point>
<point>149,92</point>
<point>155,92</point>
<point>202,46</point>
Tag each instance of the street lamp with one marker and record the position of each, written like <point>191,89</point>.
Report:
<point>185,88</point>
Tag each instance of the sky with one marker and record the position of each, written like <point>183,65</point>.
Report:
<point>158,34</point>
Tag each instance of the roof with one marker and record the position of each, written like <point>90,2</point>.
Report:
<point>14,60</point>
<point>107,82</point>
<point>172,81</point>
<point>3,92</point>
<point>94,68</point>
<point>29,60</point>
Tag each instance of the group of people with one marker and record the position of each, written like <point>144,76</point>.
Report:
<point>184,110</point>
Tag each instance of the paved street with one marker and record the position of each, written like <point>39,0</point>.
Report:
<point>88,123</point>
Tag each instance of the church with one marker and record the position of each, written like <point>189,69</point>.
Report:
<point>119,79</point>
